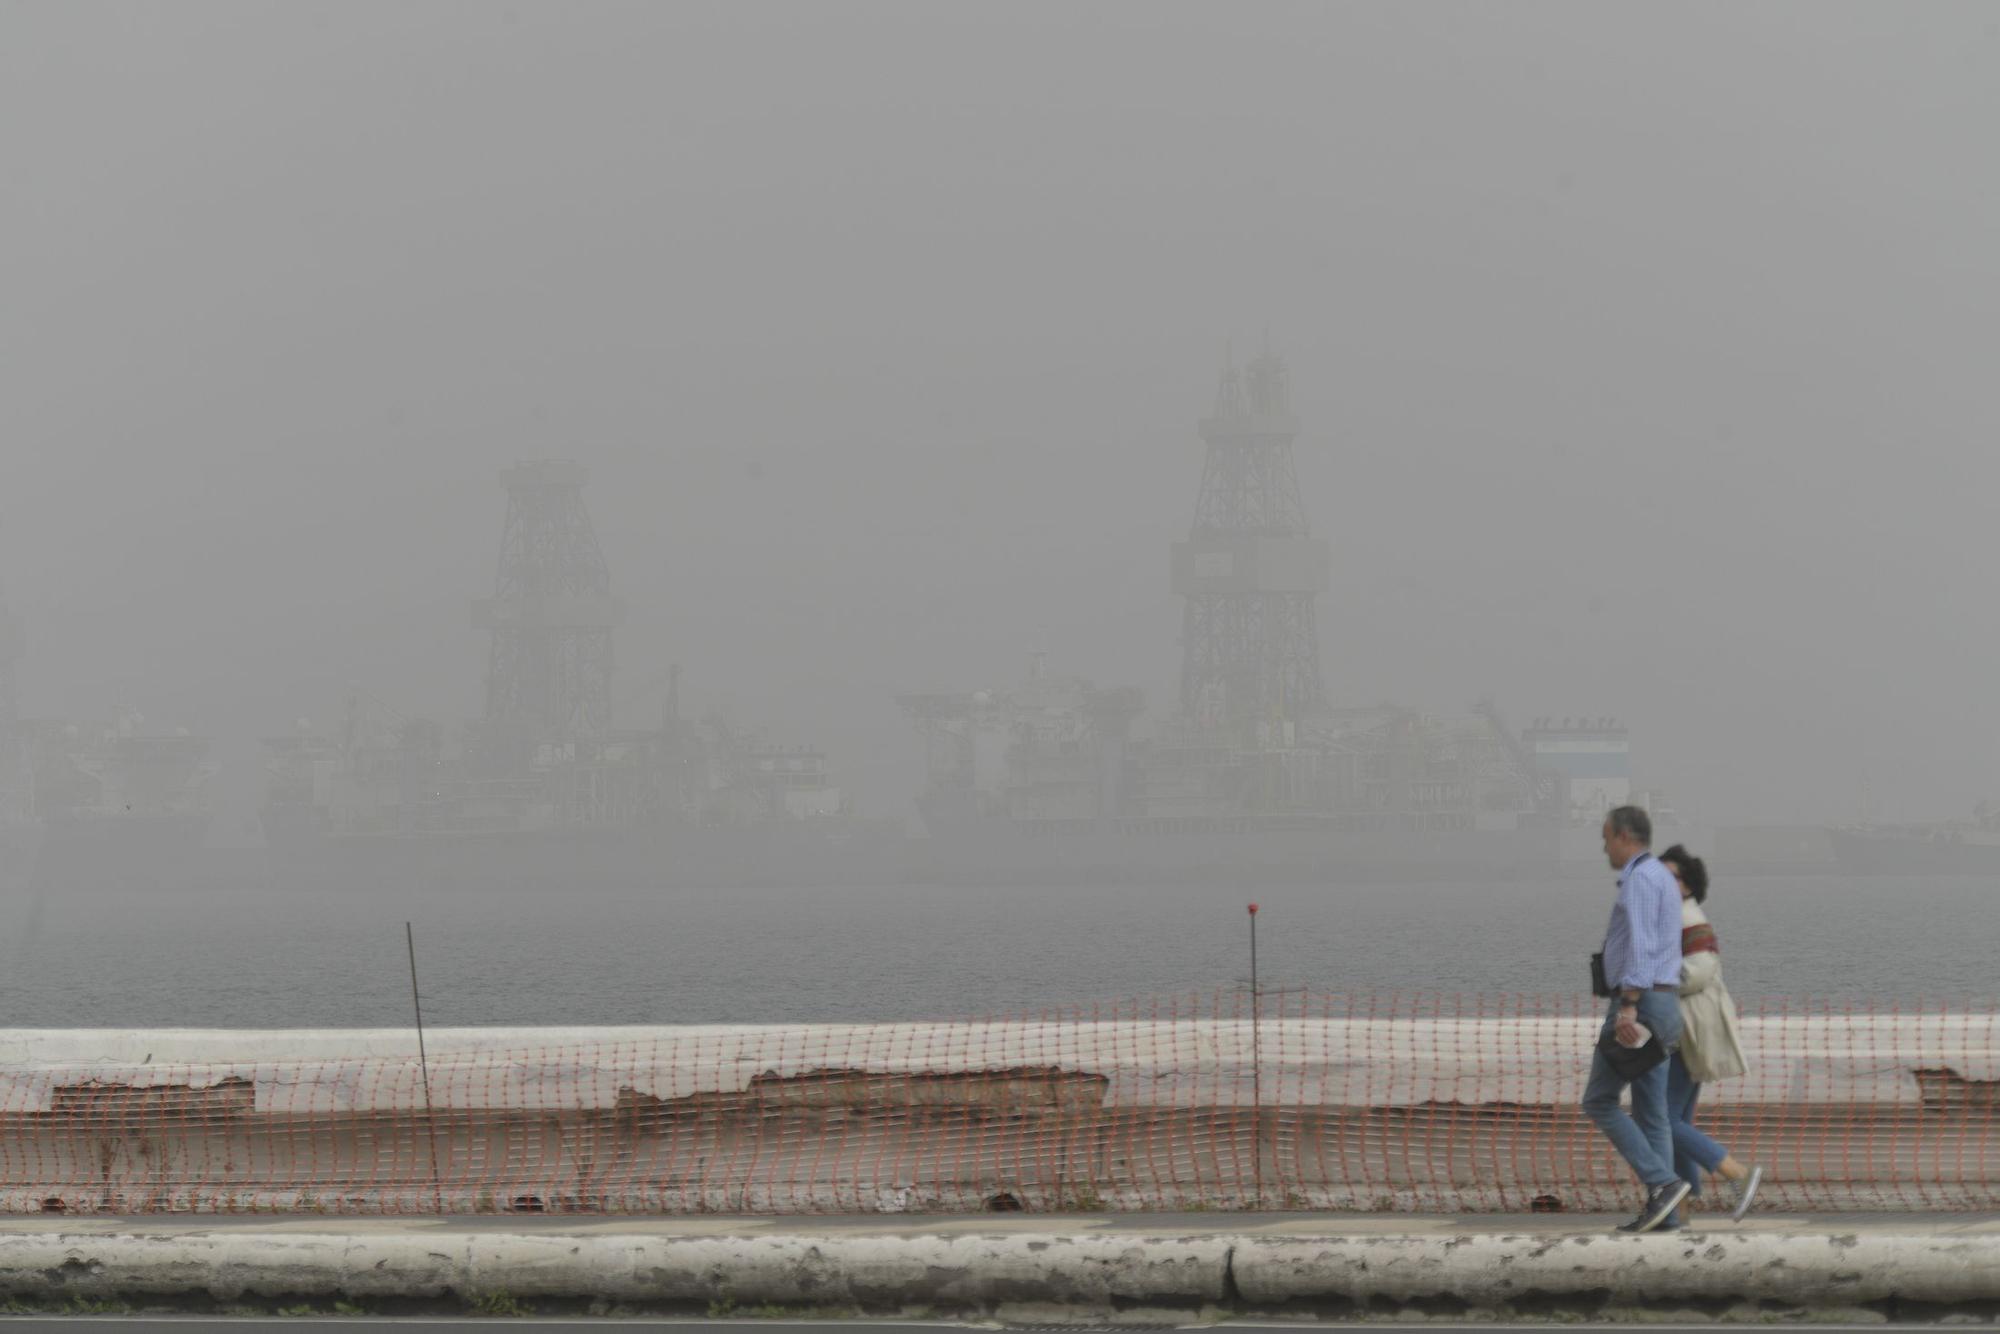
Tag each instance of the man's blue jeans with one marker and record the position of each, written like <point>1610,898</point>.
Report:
<point>1645,1139</point>
<point>1694,1152</point>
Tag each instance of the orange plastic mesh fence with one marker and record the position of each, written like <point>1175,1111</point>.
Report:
<point>1302,1101</point>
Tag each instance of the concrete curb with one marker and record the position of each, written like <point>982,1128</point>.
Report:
<point>1719,1274</point>
<point>868,1273</point>
<point>1715,1273</point>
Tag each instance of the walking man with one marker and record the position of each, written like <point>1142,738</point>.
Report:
<point>1642,966</point>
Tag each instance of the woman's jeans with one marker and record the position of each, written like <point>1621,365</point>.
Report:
<point>1694,1152</point>
<point>1645,1138</point>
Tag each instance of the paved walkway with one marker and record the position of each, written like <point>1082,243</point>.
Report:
<point>933,1225</point>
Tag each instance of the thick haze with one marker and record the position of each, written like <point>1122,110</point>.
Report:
<point>1646,357</point>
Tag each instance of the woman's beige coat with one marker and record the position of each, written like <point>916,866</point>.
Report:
<point>1711,1045</point>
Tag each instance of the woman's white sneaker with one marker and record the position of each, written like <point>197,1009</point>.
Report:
<point>1746,1191</point>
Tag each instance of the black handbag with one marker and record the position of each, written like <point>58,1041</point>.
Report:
<point>1630,1062</point>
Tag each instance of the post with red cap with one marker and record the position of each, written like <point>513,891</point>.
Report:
<point>1256,1071</point>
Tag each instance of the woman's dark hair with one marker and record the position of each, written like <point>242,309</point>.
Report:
<point>1693,874</point>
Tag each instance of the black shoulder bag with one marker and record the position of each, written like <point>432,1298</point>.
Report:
<point>1600,985</point>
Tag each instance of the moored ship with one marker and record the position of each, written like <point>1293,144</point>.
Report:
<point>118,804</point>
<point>1960,847</point>
<point>389,802</point>
<point>1048,781</point>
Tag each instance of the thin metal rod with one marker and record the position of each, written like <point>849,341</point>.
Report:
<point>1256,1070</point>
<point>424,1063</point>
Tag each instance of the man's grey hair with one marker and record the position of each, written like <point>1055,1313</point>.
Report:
<point>1633,822</point>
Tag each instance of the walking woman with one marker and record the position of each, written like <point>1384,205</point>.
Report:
<point>1710,1047</point>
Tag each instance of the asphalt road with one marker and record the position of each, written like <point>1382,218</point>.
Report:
<point>212,1325</point>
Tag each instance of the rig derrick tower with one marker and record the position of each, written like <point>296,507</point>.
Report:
<point>548,676</point>
<point>1250,570</point>
<point>13,748</point>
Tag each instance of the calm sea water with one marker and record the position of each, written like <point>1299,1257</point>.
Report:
<point>242,958</point>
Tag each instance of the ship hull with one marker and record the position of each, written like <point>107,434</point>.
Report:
<point>121,852</point>
<point>1222,852</point>
<point>805,855</point>
<point>20,851</point>
<point>731,860</point>
<point>1866,852</point>
<point>811,854</point>
<point>1582,856</point>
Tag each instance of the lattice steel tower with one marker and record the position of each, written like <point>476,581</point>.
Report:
<point>1250,569</point>
<point>548,676</point>
<point>10,656</point>
<point>13,759</point>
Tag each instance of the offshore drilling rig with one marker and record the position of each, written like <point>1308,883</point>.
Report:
<point>545,788</point>
<point>20,831</point>
<point>1250,569</point>
<point>1254,773</point>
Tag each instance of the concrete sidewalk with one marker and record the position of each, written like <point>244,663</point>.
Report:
<point>1019,1267</point>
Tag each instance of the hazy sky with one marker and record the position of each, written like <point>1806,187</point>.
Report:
<point>1645,354</point>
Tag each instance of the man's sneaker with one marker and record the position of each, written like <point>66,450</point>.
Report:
<point>1673,1224</point>
<point>1660,1206</point>
<point>1746,1191</point>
